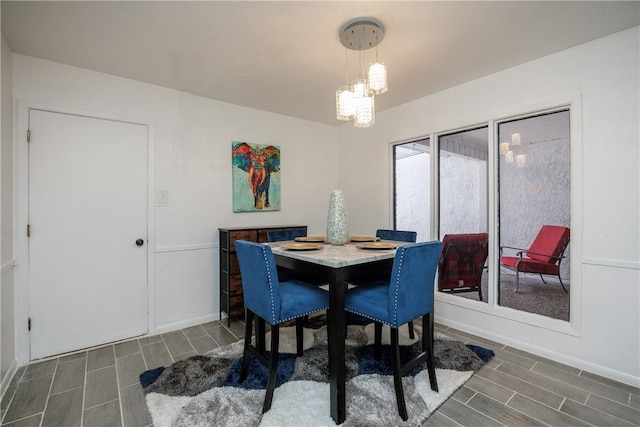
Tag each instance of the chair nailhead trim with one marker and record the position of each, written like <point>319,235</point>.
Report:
<point>273,305</point>
<point>304,314</point>
<point>370,317</point>
<point>395,297</point>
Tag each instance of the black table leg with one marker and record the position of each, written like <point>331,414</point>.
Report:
<point>336,337</point>
<point>336,330</point>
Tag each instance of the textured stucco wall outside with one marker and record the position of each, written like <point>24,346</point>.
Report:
<point>412,189</point>
<point>538,193</point>
<point>462,195</point>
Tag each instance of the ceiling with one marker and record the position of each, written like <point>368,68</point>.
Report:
<point>286,57</point>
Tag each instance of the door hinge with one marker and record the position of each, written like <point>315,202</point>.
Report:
<point>28,230</point>
<point>28,135</point>
<point>29,324</point>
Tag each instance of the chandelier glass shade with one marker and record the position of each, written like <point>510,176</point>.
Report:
<point>377,78</point>
<point>365,112</point>
<point>356,101</point>
<point>345,107</point>
<point>509,156</point>
<point>359,88</point>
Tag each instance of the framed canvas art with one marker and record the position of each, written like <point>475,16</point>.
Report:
<point>256,177</point>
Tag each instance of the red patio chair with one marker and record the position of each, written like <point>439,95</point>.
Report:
<point>543,256</point>
<point>462,262</point>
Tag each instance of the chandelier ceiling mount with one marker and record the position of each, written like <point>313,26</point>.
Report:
<point>361,34</point>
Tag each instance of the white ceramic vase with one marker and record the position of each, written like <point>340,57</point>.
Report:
<point>337,229</point>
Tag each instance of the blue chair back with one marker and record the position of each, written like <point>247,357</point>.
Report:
<point>397,235</point>
<point>411,287</point>
<point>282,235</point>
<point>259,280</point>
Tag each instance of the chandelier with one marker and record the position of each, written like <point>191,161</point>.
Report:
<point>355,100</point>
<point>505,148</point>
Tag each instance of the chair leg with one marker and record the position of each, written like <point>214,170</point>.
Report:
<point>562,284</point>
<point>260,334</point>
<point>248,326</point>
<point>412,335</point>
<point>427,346</point>
<point>377,347</point>
<point>517,280</point>
<point>273,368</point>
<point>299,335</point>
<point>397,375</point>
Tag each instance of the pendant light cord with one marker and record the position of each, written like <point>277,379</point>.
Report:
<point>346,67</point>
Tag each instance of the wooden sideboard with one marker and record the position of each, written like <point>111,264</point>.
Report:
<point>231,301</point>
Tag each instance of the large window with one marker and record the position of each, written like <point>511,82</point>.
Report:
<point>464,206</point>
<point>523,172</point>
<point>534,190</point>
<point>463,181</point>
<point>411,187</point>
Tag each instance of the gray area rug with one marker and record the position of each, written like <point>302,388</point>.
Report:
<point>204,391</point>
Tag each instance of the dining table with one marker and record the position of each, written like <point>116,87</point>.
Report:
<point>337,266</point>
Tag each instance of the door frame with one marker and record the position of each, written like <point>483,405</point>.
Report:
<point>21,203</point>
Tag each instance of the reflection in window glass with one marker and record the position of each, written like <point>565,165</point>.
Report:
<point>534,190</point>
<point>411,188</point>
<point>463,196</point>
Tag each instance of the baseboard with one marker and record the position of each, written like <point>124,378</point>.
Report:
<point>593,368</point>
<point>170,327</point>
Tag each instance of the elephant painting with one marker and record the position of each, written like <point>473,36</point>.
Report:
<point>254,191</point>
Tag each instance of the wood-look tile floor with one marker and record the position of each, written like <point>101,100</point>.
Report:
<point>99,386</point>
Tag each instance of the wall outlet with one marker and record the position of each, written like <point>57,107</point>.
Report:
<point>162,198</point>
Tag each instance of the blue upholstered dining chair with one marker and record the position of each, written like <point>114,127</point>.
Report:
<point>406,296</point>
<point>272,302</point>
<point>282,235</point>
<point>397,235</point>
<point>285,274</point>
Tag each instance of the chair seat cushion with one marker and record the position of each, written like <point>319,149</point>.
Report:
<point>370,298</point>
<point>529,265</point>
<point>299,299</point>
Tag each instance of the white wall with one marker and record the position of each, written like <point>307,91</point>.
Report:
<point>7,300</point>
<point>192,160</point>
<point>602,77</point>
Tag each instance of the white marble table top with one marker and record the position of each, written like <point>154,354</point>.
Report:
<point>336,256</point>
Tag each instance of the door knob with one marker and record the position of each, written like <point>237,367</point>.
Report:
<point>139,242</point>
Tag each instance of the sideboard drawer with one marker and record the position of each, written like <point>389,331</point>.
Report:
<point>249,235</point>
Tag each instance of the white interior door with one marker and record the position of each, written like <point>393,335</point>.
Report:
<point>87,208</point>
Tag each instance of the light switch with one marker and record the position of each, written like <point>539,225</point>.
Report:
<point>162,198</point>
